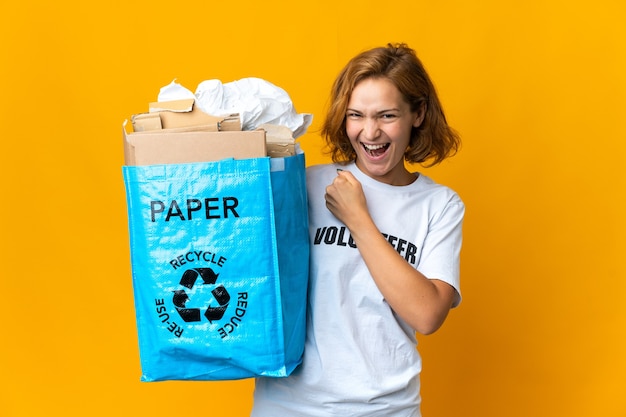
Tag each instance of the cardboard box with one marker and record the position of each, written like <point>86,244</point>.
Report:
<point>279,141</point>
<point>175,132</point>
<point>178,114</point>
<point>177,147</point>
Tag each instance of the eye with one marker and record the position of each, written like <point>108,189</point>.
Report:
<point>353,115</point>
<point>388,116</point>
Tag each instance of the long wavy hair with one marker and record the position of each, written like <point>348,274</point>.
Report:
<point>430,143</point>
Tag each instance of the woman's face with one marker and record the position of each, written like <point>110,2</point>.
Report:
<point>379,123</point>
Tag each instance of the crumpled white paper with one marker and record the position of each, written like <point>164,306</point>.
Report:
<point>256,100</point>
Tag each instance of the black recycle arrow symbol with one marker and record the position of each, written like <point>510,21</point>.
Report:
<point>188,280</point>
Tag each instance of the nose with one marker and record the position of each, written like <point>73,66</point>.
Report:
<point>371,130</point>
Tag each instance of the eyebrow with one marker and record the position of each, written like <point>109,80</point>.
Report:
<point>378,112</point>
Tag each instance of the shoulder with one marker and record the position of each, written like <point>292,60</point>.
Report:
<point>438,191</point>
<point>445,205</point>
<point>321,168</point>
<point>320,174</point>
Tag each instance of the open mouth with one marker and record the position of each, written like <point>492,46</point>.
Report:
<point>375,150</point>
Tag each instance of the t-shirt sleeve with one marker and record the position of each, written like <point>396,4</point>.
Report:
<point>440,258</point>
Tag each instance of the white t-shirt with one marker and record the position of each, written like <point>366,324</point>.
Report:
<point>360,359</point>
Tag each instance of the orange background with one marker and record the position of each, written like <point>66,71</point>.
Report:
<point>536,88</point>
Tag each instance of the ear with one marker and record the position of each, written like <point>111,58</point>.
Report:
<point>419,117</point>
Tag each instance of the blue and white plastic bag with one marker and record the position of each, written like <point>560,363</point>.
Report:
<point>219,254</point>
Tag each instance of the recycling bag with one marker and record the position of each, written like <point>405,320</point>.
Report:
<point>219,256</point>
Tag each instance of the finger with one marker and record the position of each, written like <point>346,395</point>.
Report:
<point>341,173</point>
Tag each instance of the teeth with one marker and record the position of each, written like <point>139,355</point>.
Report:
<point>373,147</point>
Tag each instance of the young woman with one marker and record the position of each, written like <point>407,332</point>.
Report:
<point>385,246</point>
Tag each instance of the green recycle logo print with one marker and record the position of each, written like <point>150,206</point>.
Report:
<point>188,280</point>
